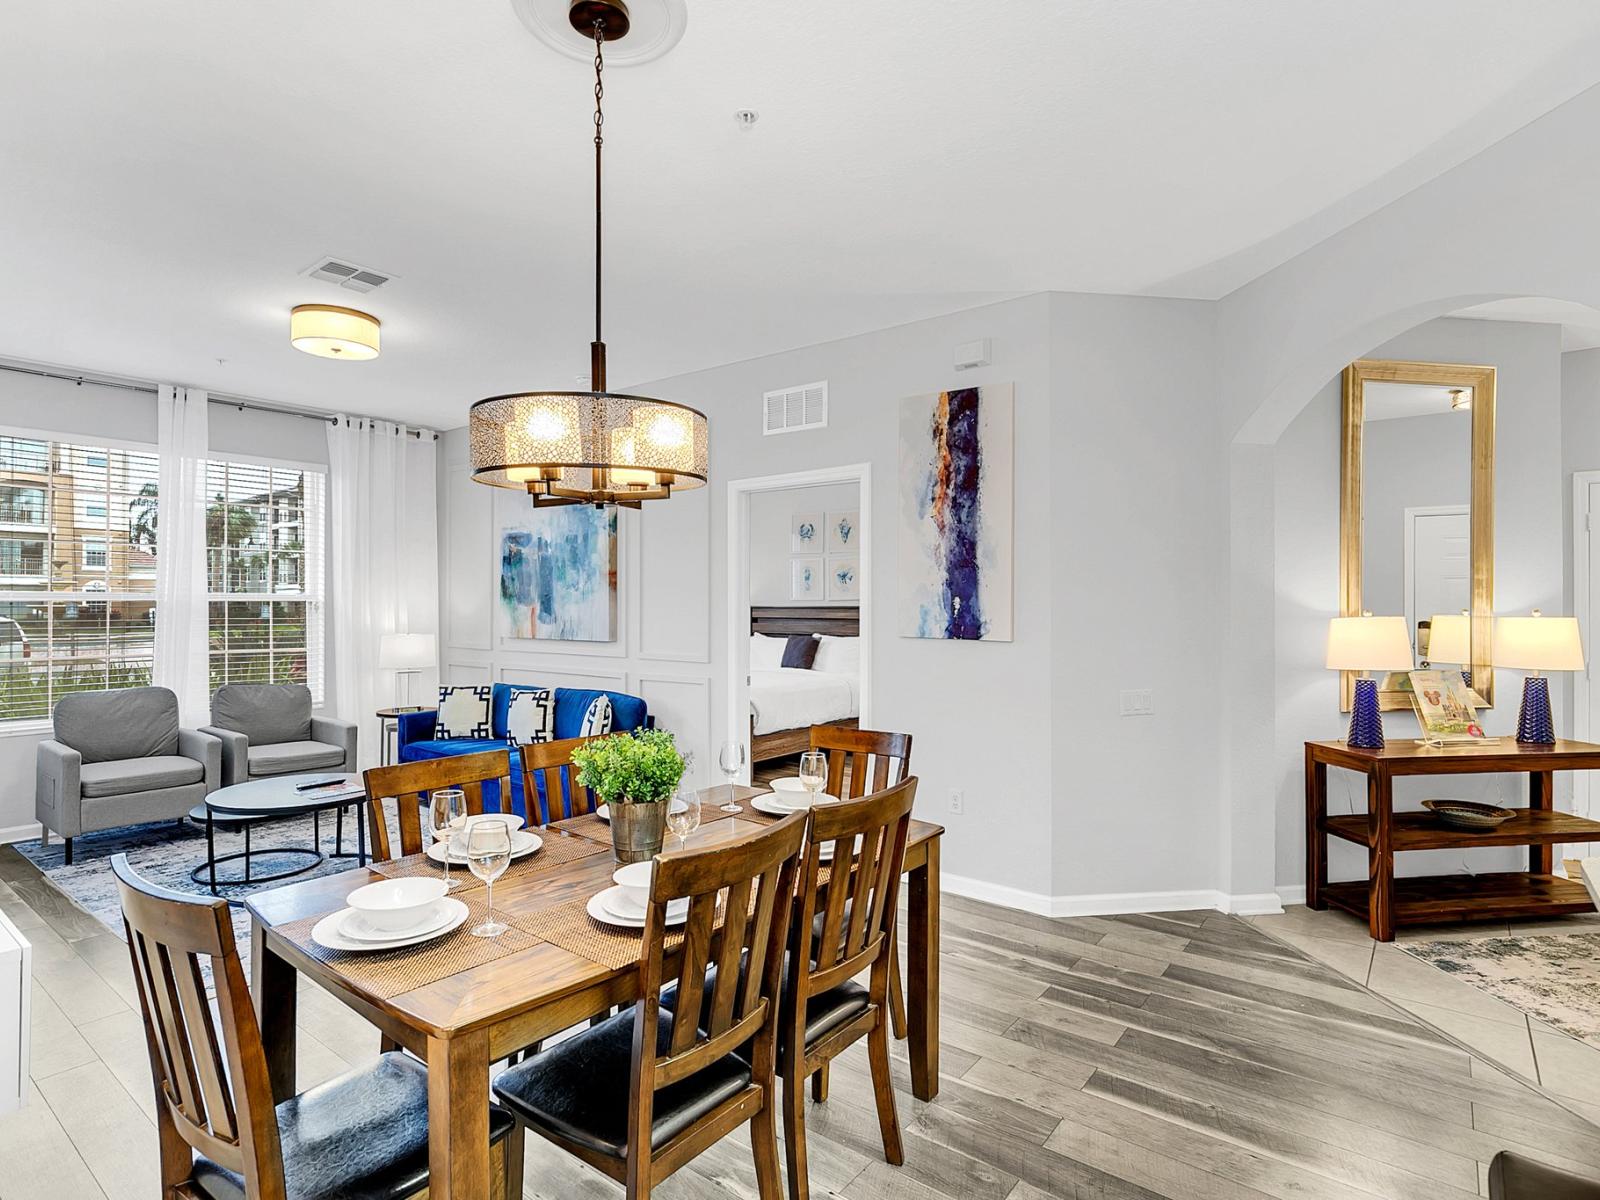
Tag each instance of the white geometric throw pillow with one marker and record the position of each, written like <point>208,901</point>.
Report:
<point>463,712</point>
<point>599,719</point>
<point>531,717</point>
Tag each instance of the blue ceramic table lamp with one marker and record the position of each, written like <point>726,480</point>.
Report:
<point>1368,643</point>
<point>1537,644</point>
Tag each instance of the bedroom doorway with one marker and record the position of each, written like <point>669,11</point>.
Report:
<point>799,567</point>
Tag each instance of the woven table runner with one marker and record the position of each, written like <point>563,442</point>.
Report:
<point>572,928</point>
<point>557,851</point>
<point>385,973</point>
<point>587,826</point>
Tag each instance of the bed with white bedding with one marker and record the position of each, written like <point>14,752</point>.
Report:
<point>786,701</point>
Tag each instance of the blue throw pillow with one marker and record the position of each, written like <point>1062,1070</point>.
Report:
<point>800,652</point>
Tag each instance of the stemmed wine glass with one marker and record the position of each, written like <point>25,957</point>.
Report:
<point>488,854</point>
<point>447,812</point>
<point>683,815</point>
<point>813,772</point>
<point>731,759</point>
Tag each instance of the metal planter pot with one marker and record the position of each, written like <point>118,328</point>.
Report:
<point>637,830</point>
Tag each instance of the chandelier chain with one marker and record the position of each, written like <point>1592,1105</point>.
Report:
<point>599,141</point>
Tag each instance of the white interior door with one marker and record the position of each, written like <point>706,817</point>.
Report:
<point>1586,603</point>
<point>1438,562</point>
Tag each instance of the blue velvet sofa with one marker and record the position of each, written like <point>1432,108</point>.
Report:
<point>416,740</point>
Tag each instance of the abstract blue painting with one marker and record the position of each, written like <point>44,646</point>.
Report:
<point>558,574</point>
<point>955,515</point>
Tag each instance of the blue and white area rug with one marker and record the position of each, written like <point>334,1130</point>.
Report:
<point>167,851</point>
<point>1554,977</point>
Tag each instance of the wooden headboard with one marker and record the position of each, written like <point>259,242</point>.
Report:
<point>836,620</point>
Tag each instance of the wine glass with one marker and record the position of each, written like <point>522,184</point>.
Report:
<point>813,772</point>
<point>488,855</point>
<point>731,759</point>
<point>447,812</point>
<point>683,815</point>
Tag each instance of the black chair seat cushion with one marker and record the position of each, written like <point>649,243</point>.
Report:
<point>578,1089</point>
<point>1512,1177</point>
<point>361,1136</point>
<point>825,1011</point>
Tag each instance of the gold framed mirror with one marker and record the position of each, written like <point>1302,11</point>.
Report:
<point>1416,508</point>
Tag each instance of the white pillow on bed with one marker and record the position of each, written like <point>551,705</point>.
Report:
<point>838,656</point>
<point>766,653</point>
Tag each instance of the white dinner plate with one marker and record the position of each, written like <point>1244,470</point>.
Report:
<point>356,927</point>
<point>523,843</point>
<point>773,806</point>
<point>328,933</point>
<point>604,811</point>
<point>677,911</point>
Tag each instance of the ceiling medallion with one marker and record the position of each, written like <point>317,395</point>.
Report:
<point>594,447</point>
<point>654,27</point>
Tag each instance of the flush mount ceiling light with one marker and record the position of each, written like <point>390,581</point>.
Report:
<point>594,447</point>
<point>1460,400</point>
<point>329,331</point>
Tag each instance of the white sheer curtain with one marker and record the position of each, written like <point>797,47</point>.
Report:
<point>384,559</point>
<point>181,646</point>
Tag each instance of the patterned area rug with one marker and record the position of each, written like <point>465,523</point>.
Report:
<point>165,853</point>
<point>1554,977</point>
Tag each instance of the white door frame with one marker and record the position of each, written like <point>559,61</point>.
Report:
<point>738,584</point>
<point>1583,790</point>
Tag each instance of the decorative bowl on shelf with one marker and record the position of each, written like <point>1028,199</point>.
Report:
<point>1468,814</point>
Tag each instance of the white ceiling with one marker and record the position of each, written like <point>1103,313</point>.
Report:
<point>1386,401</point>
<point>168,168</point>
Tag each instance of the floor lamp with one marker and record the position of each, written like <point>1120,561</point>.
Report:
<point>406,654</point>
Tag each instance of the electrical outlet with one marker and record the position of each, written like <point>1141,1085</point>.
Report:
<point>1137,702</point>
<point>958,802</point>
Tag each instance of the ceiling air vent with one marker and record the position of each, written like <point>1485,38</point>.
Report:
<point>347,275</point>
<point>790,410</point>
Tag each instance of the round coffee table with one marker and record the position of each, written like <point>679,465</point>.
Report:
<point>246,804</point>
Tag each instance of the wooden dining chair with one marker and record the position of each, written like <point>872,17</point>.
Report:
<point>363,1133</point>
<point>643,1093</point>
<point>824,1009</point>
<point>410,783</point>
<point>874,760</point>
<point>550,786</point>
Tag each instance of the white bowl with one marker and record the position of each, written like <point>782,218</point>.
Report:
<point>458,839</point>
<point>394,904</point>
<point>634,880</point>
<point>790,783</point>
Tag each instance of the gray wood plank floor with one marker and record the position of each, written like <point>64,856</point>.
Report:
<point>1190,1056</point>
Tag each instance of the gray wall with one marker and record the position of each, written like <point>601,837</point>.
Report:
<point>770,514</point>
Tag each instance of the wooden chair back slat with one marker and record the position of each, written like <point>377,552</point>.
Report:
<point>564,796</point>
<point>410,785</point>
<point>756,871</point>
<point>875,760</point>
<point>869,848</point>
<point>213,1093</point>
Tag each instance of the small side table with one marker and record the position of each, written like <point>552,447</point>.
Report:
<point>389,723</point>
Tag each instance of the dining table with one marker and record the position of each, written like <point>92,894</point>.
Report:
<point>461,1003</point>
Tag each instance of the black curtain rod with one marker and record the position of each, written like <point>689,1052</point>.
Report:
<point>212,397</point>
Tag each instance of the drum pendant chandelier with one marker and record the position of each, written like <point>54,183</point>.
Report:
<point>595,447</point>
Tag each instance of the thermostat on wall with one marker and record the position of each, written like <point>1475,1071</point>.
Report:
<point>972,354</point>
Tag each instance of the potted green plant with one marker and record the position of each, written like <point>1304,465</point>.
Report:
<point>635,774</point>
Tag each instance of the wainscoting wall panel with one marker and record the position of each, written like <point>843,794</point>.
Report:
<point>682,703</point>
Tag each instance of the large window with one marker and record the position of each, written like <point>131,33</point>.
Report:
<point>77,570</point>
<point>264,569</point>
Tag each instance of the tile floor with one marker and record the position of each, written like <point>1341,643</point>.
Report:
<point>1539,1053</point>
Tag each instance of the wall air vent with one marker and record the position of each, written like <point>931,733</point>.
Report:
<point>347,275</point>
<point>790,410</point>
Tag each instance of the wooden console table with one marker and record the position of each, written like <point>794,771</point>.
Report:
<point>1384,901</point>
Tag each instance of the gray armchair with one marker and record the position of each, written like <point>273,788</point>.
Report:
<point>118,758</point>
<point>267,729</point>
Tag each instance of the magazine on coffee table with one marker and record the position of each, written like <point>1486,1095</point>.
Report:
<point>1444,707</point>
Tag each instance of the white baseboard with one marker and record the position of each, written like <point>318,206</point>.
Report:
<point>20,833</point>
<point>1109,904</point>
<point>1294,893</point>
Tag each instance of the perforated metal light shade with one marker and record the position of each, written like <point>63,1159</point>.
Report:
<point>588,447</point>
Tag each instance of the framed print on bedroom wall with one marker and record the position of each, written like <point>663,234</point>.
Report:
<point>805,579</point>
<point>844,577</point>
<point>805,533</point>
<point>843,531</point>
<point>955,539</point>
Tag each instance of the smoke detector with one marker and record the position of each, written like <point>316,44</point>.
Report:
<point>654,27</point>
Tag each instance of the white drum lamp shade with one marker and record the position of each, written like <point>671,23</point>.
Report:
<point>1538,643</point>
<point>1369,644</point>
<point>406,651</point>
<point>1450,638</point>
<point>329,331</point>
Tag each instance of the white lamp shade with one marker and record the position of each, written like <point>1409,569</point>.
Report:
<point>329,331</point>
<point>406,651</point>
<point>1369,644</point>
<point>1450,639</point>
<point>1538,643</point>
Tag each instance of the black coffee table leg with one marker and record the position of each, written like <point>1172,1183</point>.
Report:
<point>247,853</point>
<point>361,838</point>
<point>211,851</point>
